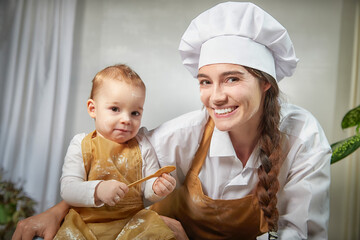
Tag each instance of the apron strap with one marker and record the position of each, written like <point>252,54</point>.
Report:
<point>203,149</point>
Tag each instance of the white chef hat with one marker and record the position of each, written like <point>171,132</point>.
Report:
<point>239,33</point>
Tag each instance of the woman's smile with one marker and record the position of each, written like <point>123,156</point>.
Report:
<point>224,112</point>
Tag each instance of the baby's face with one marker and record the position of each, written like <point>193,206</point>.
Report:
<point>118,110</point>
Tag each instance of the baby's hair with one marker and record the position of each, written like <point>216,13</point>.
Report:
<point>120,72</point>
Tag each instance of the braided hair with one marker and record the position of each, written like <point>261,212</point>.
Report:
<point>270,153</point>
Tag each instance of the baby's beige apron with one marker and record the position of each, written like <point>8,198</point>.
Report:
<point>206,218</point>
<point>106,160</point>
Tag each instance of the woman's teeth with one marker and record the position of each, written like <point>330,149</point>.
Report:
<point>224,110</point>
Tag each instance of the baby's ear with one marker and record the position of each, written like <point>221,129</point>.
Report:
<point>91,108</point>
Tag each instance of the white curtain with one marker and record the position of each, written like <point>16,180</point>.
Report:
<point>35,63</point>
<point>352,208</point>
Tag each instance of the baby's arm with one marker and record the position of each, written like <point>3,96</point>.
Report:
<point>75,190</point>
<point>162,185</point>
<point>110,192</point>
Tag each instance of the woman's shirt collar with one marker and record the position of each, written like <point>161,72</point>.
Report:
<point>221,146</point>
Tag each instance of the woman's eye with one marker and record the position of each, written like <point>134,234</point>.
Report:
<point>115,109</point>
<point>233,79</point>
<point>204,82</point>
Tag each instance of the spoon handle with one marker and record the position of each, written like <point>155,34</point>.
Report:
<point>162,170</point>
<point>141,180</point>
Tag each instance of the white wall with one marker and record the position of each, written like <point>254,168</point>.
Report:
<point>145,35</point>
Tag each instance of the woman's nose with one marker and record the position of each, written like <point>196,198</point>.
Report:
<point>218,96</point>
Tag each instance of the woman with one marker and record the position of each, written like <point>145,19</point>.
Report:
<point>248,165</point>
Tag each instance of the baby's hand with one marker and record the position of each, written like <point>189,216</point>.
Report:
<point>164,185</point>
<point>110,192</point>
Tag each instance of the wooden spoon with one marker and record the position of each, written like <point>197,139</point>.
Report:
<point>162,170</point>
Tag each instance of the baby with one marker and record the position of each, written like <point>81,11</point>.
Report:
<point>113,156</point>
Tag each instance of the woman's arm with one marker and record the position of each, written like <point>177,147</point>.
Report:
<point>45,224</point>
<point>176,227</point>
<point>303,200</point>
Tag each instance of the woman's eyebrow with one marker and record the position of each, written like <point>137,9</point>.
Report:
<point>201,75</point>
<point>224,74</point>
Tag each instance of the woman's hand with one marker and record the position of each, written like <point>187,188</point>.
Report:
<point>176,227</point>
<point>110,192</point>
<point>164,185</point>
<point>44,225</point>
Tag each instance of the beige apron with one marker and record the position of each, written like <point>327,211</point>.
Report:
<point>206,218</point>
<point>106,160</point>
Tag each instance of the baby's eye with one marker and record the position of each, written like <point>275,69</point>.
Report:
<point>135,113</point>
<point>114,109</point>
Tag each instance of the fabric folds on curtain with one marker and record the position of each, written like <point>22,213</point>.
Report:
<point>35,57</point>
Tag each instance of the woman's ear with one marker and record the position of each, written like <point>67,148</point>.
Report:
<point>91,108</point>
<point>266,86</point>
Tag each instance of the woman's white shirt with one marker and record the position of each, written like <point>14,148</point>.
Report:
<point>303,199</point>
<point>78,192</point>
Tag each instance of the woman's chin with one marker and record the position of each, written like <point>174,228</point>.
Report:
<point>222,126</point>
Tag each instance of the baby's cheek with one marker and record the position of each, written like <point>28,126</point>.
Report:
<point>136,126</point>
<point>107,125</point>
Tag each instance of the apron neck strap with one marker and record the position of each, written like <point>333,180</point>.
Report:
<point>203,149</point>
